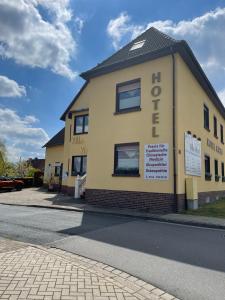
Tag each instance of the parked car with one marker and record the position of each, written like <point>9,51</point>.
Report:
<point>9,184</point>
<point>28,181</point>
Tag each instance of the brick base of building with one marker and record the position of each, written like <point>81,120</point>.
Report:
<point>181,202</point>
<point>150,202</point>
<point>159,203</point>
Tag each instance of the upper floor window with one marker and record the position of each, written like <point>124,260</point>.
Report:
<point>207,168</point>
<point>206,117</point>
<point>81,124</point>
<point>221,134</point>
<point>128,96</point>
<point>79,165</point>
<point>215,126</point>
<point>126,159</point>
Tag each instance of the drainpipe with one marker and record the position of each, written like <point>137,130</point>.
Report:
<point>174,126</point>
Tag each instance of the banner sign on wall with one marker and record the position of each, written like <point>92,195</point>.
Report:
<point>192,155</point>
<point>156,162</point>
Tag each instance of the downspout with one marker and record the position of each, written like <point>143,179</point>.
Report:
<point>174,126</point>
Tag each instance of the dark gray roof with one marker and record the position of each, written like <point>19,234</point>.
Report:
<point>57,139</point>
<point>157,44</point>
<point>154,42</point>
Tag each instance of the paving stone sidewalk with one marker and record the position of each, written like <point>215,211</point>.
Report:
<point>40,197</point>
<point>35,272</point>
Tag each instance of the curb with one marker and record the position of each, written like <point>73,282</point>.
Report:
<point>157,218</point>
<point>43,206</point>
<point>191,223</point>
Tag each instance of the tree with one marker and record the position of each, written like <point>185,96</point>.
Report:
<point>22,168</point>
<point>25,169</point>
<point>31,171</point>
<point>10,169</point>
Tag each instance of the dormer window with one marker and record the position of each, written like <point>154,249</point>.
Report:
<point>137,45</point>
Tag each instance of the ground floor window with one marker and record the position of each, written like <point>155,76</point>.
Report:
<point>57,171</point>
<point>222,171</point>
<point>217,177</point>
<point>79,165</point>
<point>207,168</point>
<point>126,159</point>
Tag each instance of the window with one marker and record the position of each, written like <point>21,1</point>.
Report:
<point>137,45</point>
<point>79,165</point>
<point>217,177</point>
<point>207,168</point>
<point>126,159</point>
<point>215,126</point>
<point>128,96</point>
<point>81,124</point>
<point>57,170</point>
<point>222,171</point>
<point>206,117</point>
<point>221,134</point>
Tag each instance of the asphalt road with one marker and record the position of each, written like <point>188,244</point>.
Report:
<point>188,262</point>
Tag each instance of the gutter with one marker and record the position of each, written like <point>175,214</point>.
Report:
<point>174,125</point>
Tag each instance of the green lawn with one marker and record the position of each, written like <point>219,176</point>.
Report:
<point>215,209</point>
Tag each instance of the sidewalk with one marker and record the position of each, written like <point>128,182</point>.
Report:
<point>35,272</point>
<point>36,197</point>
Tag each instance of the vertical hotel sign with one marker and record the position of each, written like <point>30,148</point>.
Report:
<point>192,155</point>
<point>156,156</point>
<point>156,93</point>
<point>156,162</point>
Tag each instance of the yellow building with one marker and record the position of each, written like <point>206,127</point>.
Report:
<point>54,160</point>
<point>147,129</point>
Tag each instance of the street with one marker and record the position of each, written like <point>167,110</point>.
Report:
<point>188,262</point>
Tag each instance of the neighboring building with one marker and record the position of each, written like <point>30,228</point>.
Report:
<point>37,163</point>
<point>145,123</point>
<point>54,159</point>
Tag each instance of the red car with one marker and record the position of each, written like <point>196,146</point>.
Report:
<point>9,184</point>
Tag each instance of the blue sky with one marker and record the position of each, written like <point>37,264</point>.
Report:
<point>45,44</point>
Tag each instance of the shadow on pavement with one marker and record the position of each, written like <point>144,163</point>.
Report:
<point>196,246</point>
<point>59,198</point>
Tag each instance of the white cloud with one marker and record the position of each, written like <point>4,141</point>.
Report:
<point>59,8</point>
<point>10,88</point>
<point>79,24</point>
<point>32,39</point>
<point>30,119</point>
<point>21,137</point>
<point>205,34</point>
<point>119,27</point>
